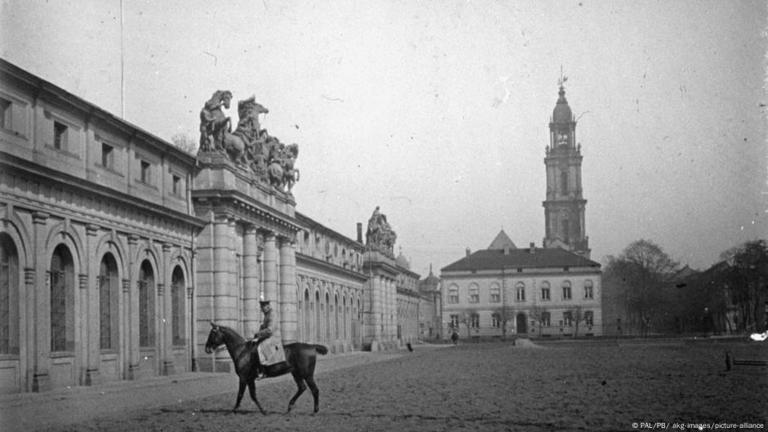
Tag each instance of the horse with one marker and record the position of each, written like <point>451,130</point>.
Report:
<point>300,357</point>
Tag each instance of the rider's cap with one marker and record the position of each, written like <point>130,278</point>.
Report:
<point>263,300</point>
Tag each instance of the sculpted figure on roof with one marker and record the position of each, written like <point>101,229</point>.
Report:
<point>380,235</point>
<point>250,147</point>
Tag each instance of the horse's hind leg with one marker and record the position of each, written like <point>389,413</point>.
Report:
<point>301,387</point>
<point>252,391</point>
<point>240,392</point>
<point>315,392</point>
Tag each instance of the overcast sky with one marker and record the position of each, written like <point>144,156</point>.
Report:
<point>438,111</point>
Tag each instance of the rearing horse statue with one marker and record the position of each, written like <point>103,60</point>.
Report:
<point>301,359</point>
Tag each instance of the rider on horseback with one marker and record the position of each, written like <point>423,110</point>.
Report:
<point>265,330</point>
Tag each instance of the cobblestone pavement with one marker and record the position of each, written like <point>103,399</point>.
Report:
<point>599,386</point>
<point>70,406</point>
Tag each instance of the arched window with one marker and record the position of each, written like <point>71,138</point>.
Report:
<point>588,289</point>
<point>62,281</point>
<point>9,300</point>
<point>474,293</point>
<point>146,305</point>
<point>327,317</point>
<point>453,294</point>
<point>545,290</point>
<point>566,290</point>
<point>495,292</point>
<point>318,322</point>
<point>307,316</point>
<point>336,316</point>
<point>178,289</point>
<point>520,292</point>
<point>109,292</point>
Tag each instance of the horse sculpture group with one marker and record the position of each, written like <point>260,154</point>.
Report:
<point>300,357</point>
<point>248,145</point>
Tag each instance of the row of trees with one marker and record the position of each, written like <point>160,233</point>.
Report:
<point>653,294</point>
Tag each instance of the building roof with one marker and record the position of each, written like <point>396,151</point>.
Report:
<point>562,112</point>
<point>489,259</point>
<point>502,241</point>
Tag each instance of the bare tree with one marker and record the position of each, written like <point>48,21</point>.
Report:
<point>643,271</point>
<point>537,313</point>
<point>185,143</point>
<point>504,314</point>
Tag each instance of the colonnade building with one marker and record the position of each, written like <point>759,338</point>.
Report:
<point>117,249</point>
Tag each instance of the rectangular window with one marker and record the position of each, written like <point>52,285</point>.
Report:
<point>5,114</point>
<point>496,320</point>
<point>454,321</point>
<point>546,318</point>
<point>107,156</point>
<point>474,321</point>
<point>146,172</point>
<point>545,293</point>
<point>566,293</point>
<point>453,295</point>
<point>589,318</point>
<point>176,185</point>
<point>568,319</point>
<point>60,132</point>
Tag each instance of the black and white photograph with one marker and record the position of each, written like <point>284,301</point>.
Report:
<point>383,215</point>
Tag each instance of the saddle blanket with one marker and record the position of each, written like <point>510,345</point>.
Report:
<point>271,351</point>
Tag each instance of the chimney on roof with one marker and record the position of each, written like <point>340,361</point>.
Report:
<point>533,248</point>
<point>468,252</point>
<point>360,232</point>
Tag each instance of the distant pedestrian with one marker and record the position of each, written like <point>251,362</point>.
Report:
<point>455,338</point>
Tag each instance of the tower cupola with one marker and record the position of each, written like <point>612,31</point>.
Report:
<point>562,112</point>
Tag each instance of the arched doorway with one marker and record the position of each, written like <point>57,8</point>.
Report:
<point>109,317</point>
<point>62,317</point>
<point>9,313</point>
<point>147,339</point>
<point>522,324</point>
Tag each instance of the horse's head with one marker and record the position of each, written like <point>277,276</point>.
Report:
<point>215,338</point>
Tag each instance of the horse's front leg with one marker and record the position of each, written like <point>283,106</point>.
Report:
<point>252,391</point>
<point>240,392</point>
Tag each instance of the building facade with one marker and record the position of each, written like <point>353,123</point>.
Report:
<point>533,292</point>
<point>117,249</point>
<point>546,292</point>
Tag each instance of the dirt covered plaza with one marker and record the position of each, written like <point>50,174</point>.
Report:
<point>575,385</point>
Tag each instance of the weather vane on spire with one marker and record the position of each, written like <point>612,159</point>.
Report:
<point>562,78</point>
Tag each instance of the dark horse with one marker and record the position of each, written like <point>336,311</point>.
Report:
<point>300,357</point>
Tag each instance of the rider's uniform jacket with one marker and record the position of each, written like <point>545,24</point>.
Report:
<point>265,330</point>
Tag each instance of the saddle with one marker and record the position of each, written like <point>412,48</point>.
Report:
<point>272,357</point>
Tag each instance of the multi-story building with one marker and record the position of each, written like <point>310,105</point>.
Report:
<point>117,249</point>
<point>549,291</point>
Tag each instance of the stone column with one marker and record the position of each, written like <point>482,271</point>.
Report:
<point>225,286</point>
<point>168,366</point>
<point>288,298</point>
<point>31,358</point>
<point>132,311</point>
<point>93,316</point>
<point>41,380</point>
<point>125,329</point>
<point>82,332</point>
<point>270,277</point>
<point>251,275</point>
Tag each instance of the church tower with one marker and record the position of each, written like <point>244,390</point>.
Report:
<point>564,206</point>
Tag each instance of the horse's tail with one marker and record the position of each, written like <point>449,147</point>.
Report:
<point>321,349</point>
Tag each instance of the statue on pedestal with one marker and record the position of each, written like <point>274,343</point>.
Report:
<point>249,146</point>
<point>380,235</point>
